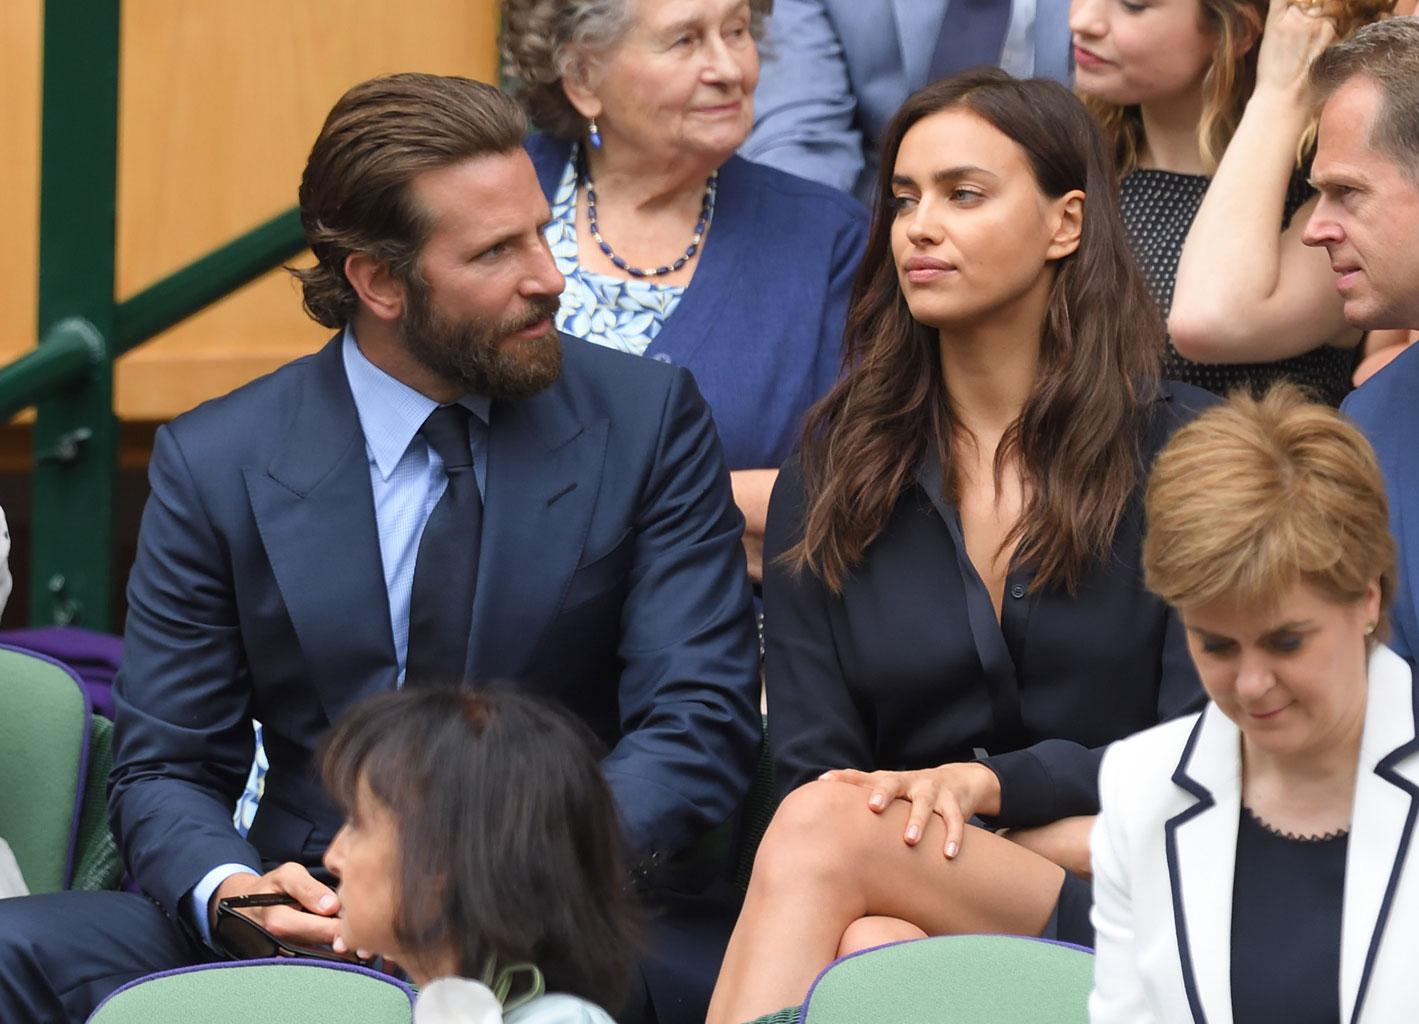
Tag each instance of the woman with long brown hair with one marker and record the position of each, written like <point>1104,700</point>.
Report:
<point>952,571</point>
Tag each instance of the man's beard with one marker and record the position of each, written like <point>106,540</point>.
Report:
<point>481,358</point>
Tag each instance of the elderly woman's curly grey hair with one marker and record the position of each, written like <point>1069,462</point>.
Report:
<point>543,41</point>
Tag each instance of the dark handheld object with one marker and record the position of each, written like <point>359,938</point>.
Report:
<point>241,938</point>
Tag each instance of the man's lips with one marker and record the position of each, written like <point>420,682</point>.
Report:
<point>920,269</point>
<point>1345,275</point>
<point>535,330</point>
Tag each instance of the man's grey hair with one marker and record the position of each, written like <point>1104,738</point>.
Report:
<point>1387,54</point>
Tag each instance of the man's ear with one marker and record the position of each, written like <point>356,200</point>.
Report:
<point>380,291</point>
<point>1069,211</point>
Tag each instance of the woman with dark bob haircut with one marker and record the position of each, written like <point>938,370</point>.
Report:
<point>956,618</point>
<point>480,843</point>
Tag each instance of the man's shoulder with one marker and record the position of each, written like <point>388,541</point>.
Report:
<point>597,378</point>
<point>1390,396</point>
<point>252,415</point>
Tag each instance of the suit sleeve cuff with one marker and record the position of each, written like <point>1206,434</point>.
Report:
<point>201,896</point>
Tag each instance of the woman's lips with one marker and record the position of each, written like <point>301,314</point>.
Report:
<point>1266,716</point>
<point>920,269</point>
<point>1088,59</point>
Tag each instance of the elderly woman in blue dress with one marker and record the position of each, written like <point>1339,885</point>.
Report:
<point>673,247</point>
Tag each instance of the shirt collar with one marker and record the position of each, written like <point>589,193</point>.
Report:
<point>390,411</point>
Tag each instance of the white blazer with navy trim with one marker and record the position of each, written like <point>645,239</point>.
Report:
<point>1165,845</point>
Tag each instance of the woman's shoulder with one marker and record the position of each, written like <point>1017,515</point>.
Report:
<point>1147,759</point>
<point>829,206</point>
<point>465,1001</point>
<point>1174,405</point>
<point>558,1008</point>
<point>549,157</point>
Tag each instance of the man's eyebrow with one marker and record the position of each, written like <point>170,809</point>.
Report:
<point>946,174</point>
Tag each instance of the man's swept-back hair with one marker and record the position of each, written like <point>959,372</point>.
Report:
<point>1260,494</point>
<point>355,194</point>
<point>1387,54</point>
<point>510,847</point>
<point>1077,439</point>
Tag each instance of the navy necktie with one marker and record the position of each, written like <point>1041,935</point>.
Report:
<point>972,34</point>
<point>446,567</point>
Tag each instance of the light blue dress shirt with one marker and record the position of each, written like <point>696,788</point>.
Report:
<point>407,480</point>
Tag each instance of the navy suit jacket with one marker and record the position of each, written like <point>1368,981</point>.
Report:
<point>1387,410</point>
<point>611,579</point>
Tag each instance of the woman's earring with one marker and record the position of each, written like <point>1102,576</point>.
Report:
<point>1370,628</point>
<point>593,135</point>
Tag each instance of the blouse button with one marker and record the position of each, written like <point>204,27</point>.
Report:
<point>661,357</point>
<point>1017,591</point>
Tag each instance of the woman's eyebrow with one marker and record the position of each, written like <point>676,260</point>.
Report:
<point>947,174</point>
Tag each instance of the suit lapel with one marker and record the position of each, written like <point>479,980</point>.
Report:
<point>1382,823</point>
<point>544,472</point>
<point>918,27</point>
<point>1199,839</point>
<point>314,509</point>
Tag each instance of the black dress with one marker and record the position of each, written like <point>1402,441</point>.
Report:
<point>909,667</point>
<point>1286,920</point>
<point>1158,209</point>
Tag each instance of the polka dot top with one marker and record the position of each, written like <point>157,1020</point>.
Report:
<point>1158,208</point>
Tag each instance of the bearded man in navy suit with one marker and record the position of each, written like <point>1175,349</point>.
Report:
<point>588,548</point>
<point>1366,169</point>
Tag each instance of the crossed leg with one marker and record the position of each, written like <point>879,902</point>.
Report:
<point>831,875</point>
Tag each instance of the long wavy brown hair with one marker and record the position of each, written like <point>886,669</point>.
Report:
<point>1076,441</point>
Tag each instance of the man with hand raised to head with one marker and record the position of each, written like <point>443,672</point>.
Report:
<point>1366,169</point>
<point>447,490</point>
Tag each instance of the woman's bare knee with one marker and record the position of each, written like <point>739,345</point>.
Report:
<point>811,839</point>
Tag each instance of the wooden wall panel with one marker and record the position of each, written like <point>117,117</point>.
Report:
<point>19,173</point>
<point>219,104</point>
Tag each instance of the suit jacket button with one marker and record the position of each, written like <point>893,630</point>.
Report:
<point>1017,591</point>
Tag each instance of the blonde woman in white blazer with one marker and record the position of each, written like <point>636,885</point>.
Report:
<point>1257,862</point>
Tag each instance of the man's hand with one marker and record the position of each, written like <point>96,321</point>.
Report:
<point>956,792</point>
<point>313,923</point>
<point>1066,842</point>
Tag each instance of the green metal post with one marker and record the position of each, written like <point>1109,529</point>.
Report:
<point>75,433</point>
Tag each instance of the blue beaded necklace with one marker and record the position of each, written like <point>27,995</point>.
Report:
<point>701,226</point>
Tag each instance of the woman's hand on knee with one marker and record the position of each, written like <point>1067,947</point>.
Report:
<point>953,792</point>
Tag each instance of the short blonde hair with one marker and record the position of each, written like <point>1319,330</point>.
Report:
<point>1259,494</point>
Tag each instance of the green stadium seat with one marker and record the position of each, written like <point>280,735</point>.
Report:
<point>44,748</point>
<point>952,979</point>
<point>261,992</point>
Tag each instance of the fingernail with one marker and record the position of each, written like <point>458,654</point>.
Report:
<point>327,902</point>
<point>913,833</point>
<point>338,945</point>
<point>951,849</point>
<point>363,954</point>
<point>877,800</point>
<point>826,775</point>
